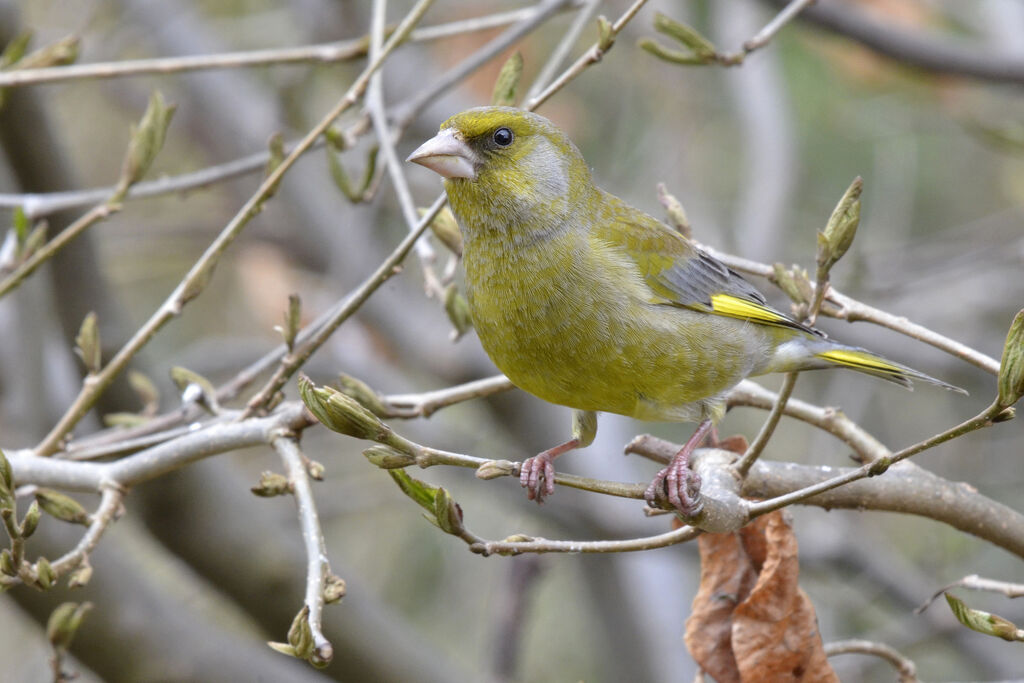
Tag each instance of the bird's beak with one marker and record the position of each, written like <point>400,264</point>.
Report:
<point>446,154</point>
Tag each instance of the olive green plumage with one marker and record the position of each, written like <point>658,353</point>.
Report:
<point>590,303</point>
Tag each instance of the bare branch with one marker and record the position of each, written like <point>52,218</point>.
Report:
<point>905,667</point>
<point>317,567</point>
<point>945,54</point>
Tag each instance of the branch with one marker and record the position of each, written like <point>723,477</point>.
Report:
<point>945,54</point>
<point>593,55</point>
<point>904,666</point>
<point>427,403</point>
<point>317,567</point>
<point>220,437</point>
<point>325,53</point>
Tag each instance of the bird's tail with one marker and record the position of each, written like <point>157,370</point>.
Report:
<point>869,363</point>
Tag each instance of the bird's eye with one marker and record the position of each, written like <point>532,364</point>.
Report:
<point>502,137</point>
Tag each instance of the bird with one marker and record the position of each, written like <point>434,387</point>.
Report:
<point>585,301</point>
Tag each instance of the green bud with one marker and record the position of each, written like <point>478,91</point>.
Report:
<point>387,457</point>
<point>276,149</point>
<point>45,575</point>
<point>419,491</point>
<point>1005,415</point>
<point>446,229</point>
<point>1011,368</point>
<point>505,86</point>
<point>518,538</point>
<point>342,413</point>
<point>363,393</point>
<point>492,469</point>
<point>340,176</point>
<point>147,392</point>
<point>21,224</point>
<point>334,589</point>
<point>292,321</point>
<point>272,484</point>
<point>31,520</point>
<point>984,622</point>
<point>80,576</point>
<point>146,141</point>
<point>87,344</point>
<point>795,283</point>
<point>676,214</point>
<point>300,635</point>
<point>124,419</point>
<point>605,33</point>
<point>447,513</point>
<point>699,50</point>
<point>315,470</point>
<point>62,507</point>
<point>64,622</point>
<point>15,49</point>
<point>7,563</point>
<point>457,308</point>
<point>35,239</point>
<point>6,473</point>
<point>58,53</point>
<point>283,648</point>
<point>189,382</point>
<point>841,227</point>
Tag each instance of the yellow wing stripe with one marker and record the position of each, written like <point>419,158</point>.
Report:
<point>734,307</point>
<point>858,359</point>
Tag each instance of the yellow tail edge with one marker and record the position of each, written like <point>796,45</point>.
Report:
<point>876,366</point>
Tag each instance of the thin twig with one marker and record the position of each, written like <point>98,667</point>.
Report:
<point>378,115</point>
<point>292,361</point>
<point>944,53</point>
<point>425,404</point>
<point>198,276</point>
<point>984,419</point>
<point>111,498</point>
<point>905,667</point>
<point>48,250</point>
<point>591,56</point>
<point>757,446</point>
<point>323,53</point>
<point>542,11</point>
<point>831,420</point>
<point>543,545</point>
<point>564,47</point>
<point>979,583</point>
<point>787,15</point>
<point>317,567</point>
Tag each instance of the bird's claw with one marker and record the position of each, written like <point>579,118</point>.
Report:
<point>680,485</point>
<point>537,476</point>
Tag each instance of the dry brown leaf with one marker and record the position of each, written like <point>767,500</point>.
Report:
<point>750,620</point>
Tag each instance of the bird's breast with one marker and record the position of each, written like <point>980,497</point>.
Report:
<point>572,323</point>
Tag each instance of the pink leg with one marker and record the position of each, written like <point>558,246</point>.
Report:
<point>537,474</point>
<point>682,483</point>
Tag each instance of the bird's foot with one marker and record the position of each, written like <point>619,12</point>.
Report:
<point>677,483</point>
<point>537,474</point>
<point>680,485</point>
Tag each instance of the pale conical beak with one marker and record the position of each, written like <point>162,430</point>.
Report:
<point>447,155</point>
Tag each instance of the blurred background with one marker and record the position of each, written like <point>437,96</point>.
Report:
<point>200,572</point>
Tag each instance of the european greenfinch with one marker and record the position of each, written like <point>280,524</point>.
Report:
<point>587,302</point>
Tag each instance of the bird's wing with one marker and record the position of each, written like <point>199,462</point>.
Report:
<point>680,274</point>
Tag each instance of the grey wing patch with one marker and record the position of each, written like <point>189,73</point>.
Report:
<point>699,278</point>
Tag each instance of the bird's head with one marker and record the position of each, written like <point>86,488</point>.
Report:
<point>506,168</point>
